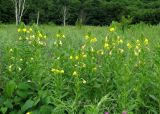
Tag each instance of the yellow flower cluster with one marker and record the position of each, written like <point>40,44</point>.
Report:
<point>111,46</point>
<point>24,30</point>
<point>146,41</point>
<point>119,41</point>
<point>58,39</point>
<point>129,45</point>
<point>137,49</point>
<point>60,35</point>
<point>10,67</point>
<point>72,58</point>
<point>90,38</point>
<point>57,71</point>
<point>58,43</point>
<point>33,37</point>
<point>112,29</point>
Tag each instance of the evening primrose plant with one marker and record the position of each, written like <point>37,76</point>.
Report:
<point>64,72</point>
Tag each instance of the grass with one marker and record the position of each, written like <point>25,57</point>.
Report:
<point>87,70</point>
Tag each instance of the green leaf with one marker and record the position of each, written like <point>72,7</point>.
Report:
<point>28,104</point>
<point>37,100</point>
<point>23,86</point>
<point>17,100</point>
<point>154,98</point>
<point>8,104</point>
<point>3,110</point>
<point>22,94</point>
<point>46,109</point>
<point>10,87</point>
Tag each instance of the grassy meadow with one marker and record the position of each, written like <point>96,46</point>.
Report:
<point>79,70</point>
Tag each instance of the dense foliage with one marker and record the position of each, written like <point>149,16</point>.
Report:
<point>90,12</point>
<point>79,71</point>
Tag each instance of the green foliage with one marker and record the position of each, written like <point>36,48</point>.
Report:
<point>10,87</point>
<point>89,12</point>
<point>71,70</point>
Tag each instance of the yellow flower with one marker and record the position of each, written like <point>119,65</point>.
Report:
<point>57,71</point>
<point>92,49</point>
<point>84,65</point>
<point>33,36</point>
<point>146,41</point>
<point>61,71</point>
<point>106,39</point>
<point>55,43</point>
<point>40,43</point>
<point>137,51</point>
<point>19,30</point>
<point>28,113</point>
<point>120,41</point>
<point>112,29</point>
<point>53,70</point>
<point>32,58</point>
<point>94,69</point>
<point>20,38</point>
<point>121,50</point>
<point>137,41</point>
<point>11,50</point>
<point>45,37</point>
<point>137,47</point>
<point>106,45</point>
<point>10,68</point>
<point>84,81</point>
<point>63,36</point>
<point>129,45</point>
<point>94,40</point>
<point>27,38</point>
<point>110,53</point>
<point>30,30</point>
<point>57,35</point>
<point>83,47</point>
<point>71,57</point>
<point>60,43</point>
<point>24,29</point>
<point>86,37</point>
<point>84,55</point>
<point>19,69</point>
<point>100,52</point>
<point>75,73</point>
<point>76,57</point>
<point>40,35</point>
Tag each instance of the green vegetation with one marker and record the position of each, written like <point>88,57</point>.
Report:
<point>89,12</point>
<point>80,70</point>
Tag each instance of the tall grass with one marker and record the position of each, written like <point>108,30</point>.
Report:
<point>87,70</point>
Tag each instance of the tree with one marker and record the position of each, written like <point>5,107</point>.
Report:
<point>82,6</point>
<point>64,4</point>
<point>19,9</point>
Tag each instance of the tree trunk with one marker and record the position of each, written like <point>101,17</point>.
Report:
<point>82,16</point>
<point>16,12</point>
<point>38,18</point>
<point>64,15</point>
<point>19,9</point>
<point>22,10</point>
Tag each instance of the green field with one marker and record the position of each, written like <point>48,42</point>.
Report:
<point>79,70</point>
